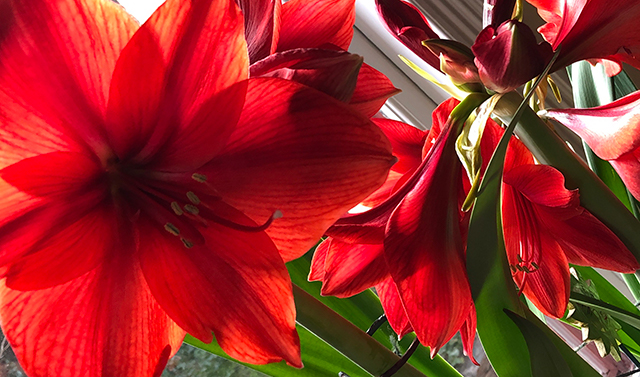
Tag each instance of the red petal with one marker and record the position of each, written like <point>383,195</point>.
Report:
<point>592,29</point>
<point>562,14</point>
<point>408,25</point>
<point>440,117</point>
<point>316,272</point>
<point>385,191</point>
<point>301,152</point>
<point>332,72</point>
<point>468,334</point>
<point>527,239</point>
<point>57,60</point>
<point>628,166</point>
<point>543,185</point>
<point>406,143</point>
<point>63,180</point>
<point>261,26</point>
<point>53,174</point>
<point>372,91</point>
<point>308,23</point>
<point>68,253</point>
<point>495,12</point>
<point>393,308</point>
<point>588,242</point>
<point>517,153</point>
<point>426,257</point>
<point>548,287</point>
<point>104,323</point>
<point>202,44</point>
<point>610,130</point>
<point>235,285</point>
<point>352,268</point>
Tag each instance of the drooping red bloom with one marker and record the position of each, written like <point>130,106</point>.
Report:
<point>545,229</point>
<point>409,26</point>
<point>592,30</point>
<point>509,55</point>
<point>411,244</point>
<point>613,132</point>
<point>306,41</point>
<point>141,178</point>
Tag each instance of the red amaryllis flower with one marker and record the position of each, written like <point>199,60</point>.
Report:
<point>408,25</point>
<point>592,29</point>
<point>508,56</point>
<point>613,132</point>
<point>413,242</point>
<point>141,178</point>
<point>545,229</point>
<point>307,43</point>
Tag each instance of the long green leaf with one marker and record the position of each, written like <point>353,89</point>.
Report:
<point>320,359</point>
<point>362,310</point>
<point>546,360</point>
<point>578,366</point>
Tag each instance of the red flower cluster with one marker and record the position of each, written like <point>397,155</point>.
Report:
<point>411,244</point>
<point>506,52</point>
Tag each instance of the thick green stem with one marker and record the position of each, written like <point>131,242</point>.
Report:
<point>550,149</point>
<point>352,342</point>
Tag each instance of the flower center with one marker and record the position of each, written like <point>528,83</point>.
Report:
<point>182,205</point>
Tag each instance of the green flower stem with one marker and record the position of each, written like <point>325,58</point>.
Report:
<point>352,342</point>
<point>550,149</point>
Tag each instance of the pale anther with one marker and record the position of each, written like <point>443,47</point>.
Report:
<point>190,208</point>
<point>176,208</point>
<point>188,244</point>
<point>199,177</point>
<point>277,214</point>
<point>172,229</point>
<point>193,198</point>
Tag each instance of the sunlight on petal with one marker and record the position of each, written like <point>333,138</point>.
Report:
<point>141,10</point>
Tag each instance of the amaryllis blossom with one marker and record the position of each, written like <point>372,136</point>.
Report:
<point>411,245</point>
<point>613,132</point>
<point>507,56</point>
<point>306,41</point>
<point>545,229</point>
<point>593,30</point>
<point>409,26</point>
<point>148,188</point>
